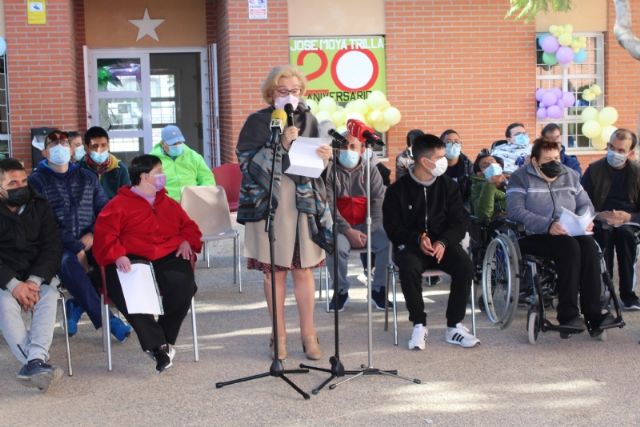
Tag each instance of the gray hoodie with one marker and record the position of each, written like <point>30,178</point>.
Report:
<point>536,203</point>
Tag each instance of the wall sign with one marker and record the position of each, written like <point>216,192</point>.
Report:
<point>36,12</point>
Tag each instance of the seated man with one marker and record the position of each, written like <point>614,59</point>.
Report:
<point>404,160</point>
<point>351,219</point>
<point>30,252</point>
<point>516,151</point>
<point>459,167</point>
<point>76,197</point>
<point>111,172</point>
<point>424,217</point>
<point>77,146</point>
<point>613,184</point>
<point>552,132</point>
<point>536,195</point>
<point>182,165</point>
<point>488,199</point>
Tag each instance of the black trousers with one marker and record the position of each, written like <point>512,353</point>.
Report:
<point>177,286</point>
<point>578,268</point>
<point>623,240</point>
<point>455,262</point>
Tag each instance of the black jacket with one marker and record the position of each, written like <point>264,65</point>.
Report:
<point>403,212</point>
<point>29,243</point>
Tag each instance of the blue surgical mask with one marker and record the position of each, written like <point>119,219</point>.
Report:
<point>79,153</point>
<point>492,170</point>
<point>452,150</point>
<point>59,155</point>
<point>99,158</point>
<point>616,160</point>
<point>522,140</point>
<point>349,159</point>
<point>176,150</point>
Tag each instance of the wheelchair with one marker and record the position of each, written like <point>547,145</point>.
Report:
<point>503,270</point>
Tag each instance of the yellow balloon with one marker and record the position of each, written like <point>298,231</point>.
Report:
<point>564,39</point>
<point>356,115</point>
<point>381,127</point>
<point>386,105</point>
<point>321,116</point>
<point>598,143</point>
<point>589,114</point>
<point>327,104</point>
<point>313,105</point>
<point>553,29</point>
<point>606,133</point>
<point>392,116</point>
<point>591,129</point>
<point>339,117</point>
<point>587,95</point>
<point>360,106</point>
<point>568,28</point>
<point>341,129</point>
<point>375,117</point>
<point>608,116</point>
<point>595,89</point>
<point>376,100</point>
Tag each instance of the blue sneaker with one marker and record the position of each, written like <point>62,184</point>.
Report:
<point>38,374</point>
<point>74,313</point>
<point>119,329</point>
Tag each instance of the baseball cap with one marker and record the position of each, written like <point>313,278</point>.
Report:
<point>171,134</point>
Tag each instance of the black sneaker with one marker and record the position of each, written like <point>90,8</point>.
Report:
<point>36,373</point>
<point>378,299</point>
<point>632,305</point>
<point>340,300</point>
<point>163,357</point>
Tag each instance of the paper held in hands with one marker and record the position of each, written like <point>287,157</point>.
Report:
<point>575,225</point>
<point>140,289</point>
<point>303,158</point>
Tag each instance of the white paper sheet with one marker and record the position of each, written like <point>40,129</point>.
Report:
<point>574,224</point>
<point>303,158</point>
<point>140,290</point>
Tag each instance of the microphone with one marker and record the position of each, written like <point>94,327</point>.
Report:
<point>363,132</point>
<point>288,109</point>
<point>278,118</point>
<point>337,137</point>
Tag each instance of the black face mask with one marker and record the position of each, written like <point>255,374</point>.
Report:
<point>18,196</point>
<point>551,169</point>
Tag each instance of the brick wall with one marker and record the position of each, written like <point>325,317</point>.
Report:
<point>42,61</point>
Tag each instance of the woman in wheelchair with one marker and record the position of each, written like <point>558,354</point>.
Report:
<point>488,199</point>
<point>536,195</point>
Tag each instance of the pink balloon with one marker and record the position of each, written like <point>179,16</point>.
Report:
<point>557,92</point>
<point>554,112</point>
<point>564,55</point>
<point>549,99</point>
<point>569,99</point>
<point>541,114</point>
<point>540,93</point>
<point>549,43</point>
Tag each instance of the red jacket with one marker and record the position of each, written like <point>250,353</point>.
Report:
<point>129,225</point>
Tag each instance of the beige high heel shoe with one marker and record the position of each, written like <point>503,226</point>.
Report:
<point>282,347</point>
<point>311,347</point>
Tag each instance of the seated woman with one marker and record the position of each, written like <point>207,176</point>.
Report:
<point>143,222</point>
<point>536,195</point>
<point>488,199</point>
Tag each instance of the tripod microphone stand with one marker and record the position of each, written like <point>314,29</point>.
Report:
<point>277,368</point>
<point>369,368</point>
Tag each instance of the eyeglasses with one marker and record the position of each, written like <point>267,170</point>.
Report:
<point>453,141</point>
<point>55,138</point>
<point>283,91</point>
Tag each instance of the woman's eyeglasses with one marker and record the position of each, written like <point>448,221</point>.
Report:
<point>283,91</point>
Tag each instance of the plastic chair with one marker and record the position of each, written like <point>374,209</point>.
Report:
<point>207,206</point>
<point>229,176</point>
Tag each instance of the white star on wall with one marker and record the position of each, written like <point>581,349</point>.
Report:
<point>147,26</point>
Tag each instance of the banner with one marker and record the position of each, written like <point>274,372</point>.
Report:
<point>344,68</point>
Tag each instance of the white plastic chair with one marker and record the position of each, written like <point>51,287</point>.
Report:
<point>208,207</point>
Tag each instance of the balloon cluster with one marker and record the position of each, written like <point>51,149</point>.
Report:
<point>591,93</point>
<point>552,102</point>
<point>3,46</point>
<point>598,125</point>
<point>561,46</point>
<point>376,111</point>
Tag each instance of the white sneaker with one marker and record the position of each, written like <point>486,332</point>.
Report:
<point>461,336</point>
<point>418,337</point>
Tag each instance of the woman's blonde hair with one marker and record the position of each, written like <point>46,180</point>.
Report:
<point>275,74</point>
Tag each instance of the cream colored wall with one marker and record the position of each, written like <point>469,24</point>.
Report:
<point>1,18</point>
<point>107,23</point>
<point>335,17</point>
<point>586,15</point>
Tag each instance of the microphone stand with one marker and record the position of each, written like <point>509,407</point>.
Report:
<point>337,369</point>
<point>369,369</point>
<point>277,368</point>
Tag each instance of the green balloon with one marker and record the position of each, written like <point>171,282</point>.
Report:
<point>549,58</point>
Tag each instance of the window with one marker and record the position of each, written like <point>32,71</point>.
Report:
<point>575,78</point>
<point>5,134</point>
<point>163,103</point>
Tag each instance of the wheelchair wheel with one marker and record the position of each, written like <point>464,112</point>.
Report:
<point>500,280</point>
<point>533,326</point>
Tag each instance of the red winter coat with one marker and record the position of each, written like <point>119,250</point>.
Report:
<point>129,225</point>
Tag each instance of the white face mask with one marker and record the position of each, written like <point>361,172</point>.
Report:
<point>440,168</point>
<point>281,101</point>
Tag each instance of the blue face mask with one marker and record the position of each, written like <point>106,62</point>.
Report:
<point>349,159</point>
<point>452,150</point>
<point>522,140</point>
<point>99,157</point>
<point>59,155</point>
<point>176,150</point>
<point>79,153</point>
<point>492,170</point>
<point>616,160</point>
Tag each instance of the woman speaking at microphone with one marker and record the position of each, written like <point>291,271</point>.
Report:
<point>302,223</point>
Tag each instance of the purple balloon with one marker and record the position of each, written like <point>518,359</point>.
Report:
<point>568,99</point>
<point>540,93</point>
<point>557,92</point>
<point>554,112</point>
<point>549,43</point>
<point>560,103</point>
<point>541,114</point>
<point>564,55</point>
<point>549,99</point>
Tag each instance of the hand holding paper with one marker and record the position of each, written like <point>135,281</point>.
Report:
<point>575,225</point>
<point>304,159</point>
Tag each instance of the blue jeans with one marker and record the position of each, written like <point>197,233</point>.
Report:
<point>79,285</point>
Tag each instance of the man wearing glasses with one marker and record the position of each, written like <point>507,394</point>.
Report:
<point>76,198</point>
<point>516,151</point>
